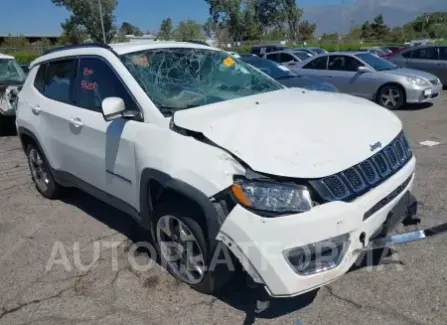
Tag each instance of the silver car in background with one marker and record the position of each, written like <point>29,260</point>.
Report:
<point>288,58</point>
<point>429,58</point>
<point>366,75</point>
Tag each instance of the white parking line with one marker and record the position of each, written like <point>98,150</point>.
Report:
<point>429,143</point>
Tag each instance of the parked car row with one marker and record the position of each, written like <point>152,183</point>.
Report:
<point>407,75</point>
<point>211,155</point>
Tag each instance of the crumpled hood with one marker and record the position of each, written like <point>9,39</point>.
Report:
<point>293,132</point>
<point>412,73</point>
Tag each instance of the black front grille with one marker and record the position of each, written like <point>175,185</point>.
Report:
<point>434,82</point>
<point>354,181</point>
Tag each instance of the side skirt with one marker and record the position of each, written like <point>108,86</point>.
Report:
<point>69,180</point>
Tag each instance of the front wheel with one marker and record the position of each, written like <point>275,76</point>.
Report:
<point>391,97</point>
<point>183,247</point>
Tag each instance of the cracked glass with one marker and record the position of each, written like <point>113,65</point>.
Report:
<point>10,71</point>
<point>182,78</point>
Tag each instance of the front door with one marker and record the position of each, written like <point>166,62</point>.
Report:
<point>103,154</point>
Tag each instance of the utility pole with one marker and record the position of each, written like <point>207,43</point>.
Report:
<point>102,23</point>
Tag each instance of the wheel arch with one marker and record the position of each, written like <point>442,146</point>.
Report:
<point>155,185</point>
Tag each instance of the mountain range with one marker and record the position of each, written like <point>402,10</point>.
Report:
<point>395,13</point>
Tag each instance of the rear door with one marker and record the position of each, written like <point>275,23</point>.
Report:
<point>52,106</point>
<point>424,58</point>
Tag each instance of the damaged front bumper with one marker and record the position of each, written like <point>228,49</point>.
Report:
<point>293,254</point>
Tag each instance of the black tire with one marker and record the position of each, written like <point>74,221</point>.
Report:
<point>183,210</point>
<point>46,186</point>
<point>391,96</point>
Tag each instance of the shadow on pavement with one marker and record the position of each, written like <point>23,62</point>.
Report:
<point>416,107</point>
<point>7,126</point>
<point>236,293</point>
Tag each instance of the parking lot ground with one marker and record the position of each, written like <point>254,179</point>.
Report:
<point>46,248</point>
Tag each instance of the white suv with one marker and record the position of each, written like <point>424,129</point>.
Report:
<point>207,152</point>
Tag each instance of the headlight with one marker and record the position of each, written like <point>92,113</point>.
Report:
<point>272,197</point>
<point>418,81</point>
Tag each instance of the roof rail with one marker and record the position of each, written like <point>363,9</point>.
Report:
<point>80,46</point>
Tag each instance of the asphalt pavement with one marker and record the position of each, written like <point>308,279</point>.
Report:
<point>74,261</point>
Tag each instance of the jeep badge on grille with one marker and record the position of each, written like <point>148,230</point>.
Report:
<point>375,146</point>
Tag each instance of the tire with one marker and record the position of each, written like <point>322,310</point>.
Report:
<point>41,174</point>
<point>181,210</point>
<point>391,96</point>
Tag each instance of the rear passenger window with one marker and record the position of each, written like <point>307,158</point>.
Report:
<point>39,82</point>
<point>54,80</point>
<point>98,81</point>
<point>317,64</point>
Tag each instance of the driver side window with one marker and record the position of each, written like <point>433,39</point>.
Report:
<point>98,81</point>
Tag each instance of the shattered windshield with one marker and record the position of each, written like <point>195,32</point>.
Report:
<point>181,78</point>
<point>10,71</point>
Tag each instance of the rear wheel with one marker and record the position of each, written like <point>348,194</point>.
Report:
<point>40,173</point>
<point>391,97</point>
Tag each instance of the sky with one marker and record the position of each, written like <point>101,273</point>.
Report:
<point>41,17</point>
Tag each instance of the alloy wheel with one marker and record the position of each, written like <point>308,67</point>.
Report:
<point>180,250</point>
<point>390,98</point>
<point>38,170</point>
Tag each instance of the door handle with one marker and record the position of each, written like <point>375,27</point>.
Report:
<point>36,109</point>
<point>76,122</point>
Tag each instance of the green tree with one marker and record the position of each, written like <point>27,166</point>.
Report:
<point>354,33</point>
<point>329,37</point>
<point>129,29</point>
<point>252,26</point>
<point>188,30</point>
<point>306,30</point>
<point>165,32</point>
<point>16,42</point>
<point>72,32</point>
<point>397,35</point>
<point>379,29</point>
<point>87,13</point>
<point>293,16</point>
<point>210,27</point>
<point>367,32</point>
<point>271,13</point>
<point>228,13</point>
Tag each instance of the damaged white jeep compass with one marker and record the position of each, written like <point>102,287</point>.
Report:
<point>207,152</point>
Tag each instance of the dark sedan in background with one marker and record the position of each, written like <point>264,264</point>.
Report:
<point>285,76</point>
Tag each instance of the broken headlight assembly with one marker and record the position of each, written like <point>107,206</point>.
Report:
<point>271,198</point>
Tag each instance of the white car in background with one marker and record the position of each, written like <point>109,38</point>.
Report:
<point>211,155</point>
<point>11,78</point>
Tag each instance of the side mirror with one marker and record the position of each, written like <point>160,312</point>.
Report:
<point>112,108</point>
<point>291,63</point>
<point>363,69</point>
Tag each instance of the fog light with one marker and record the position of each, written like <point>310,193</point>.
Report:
<point>318,257</point>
